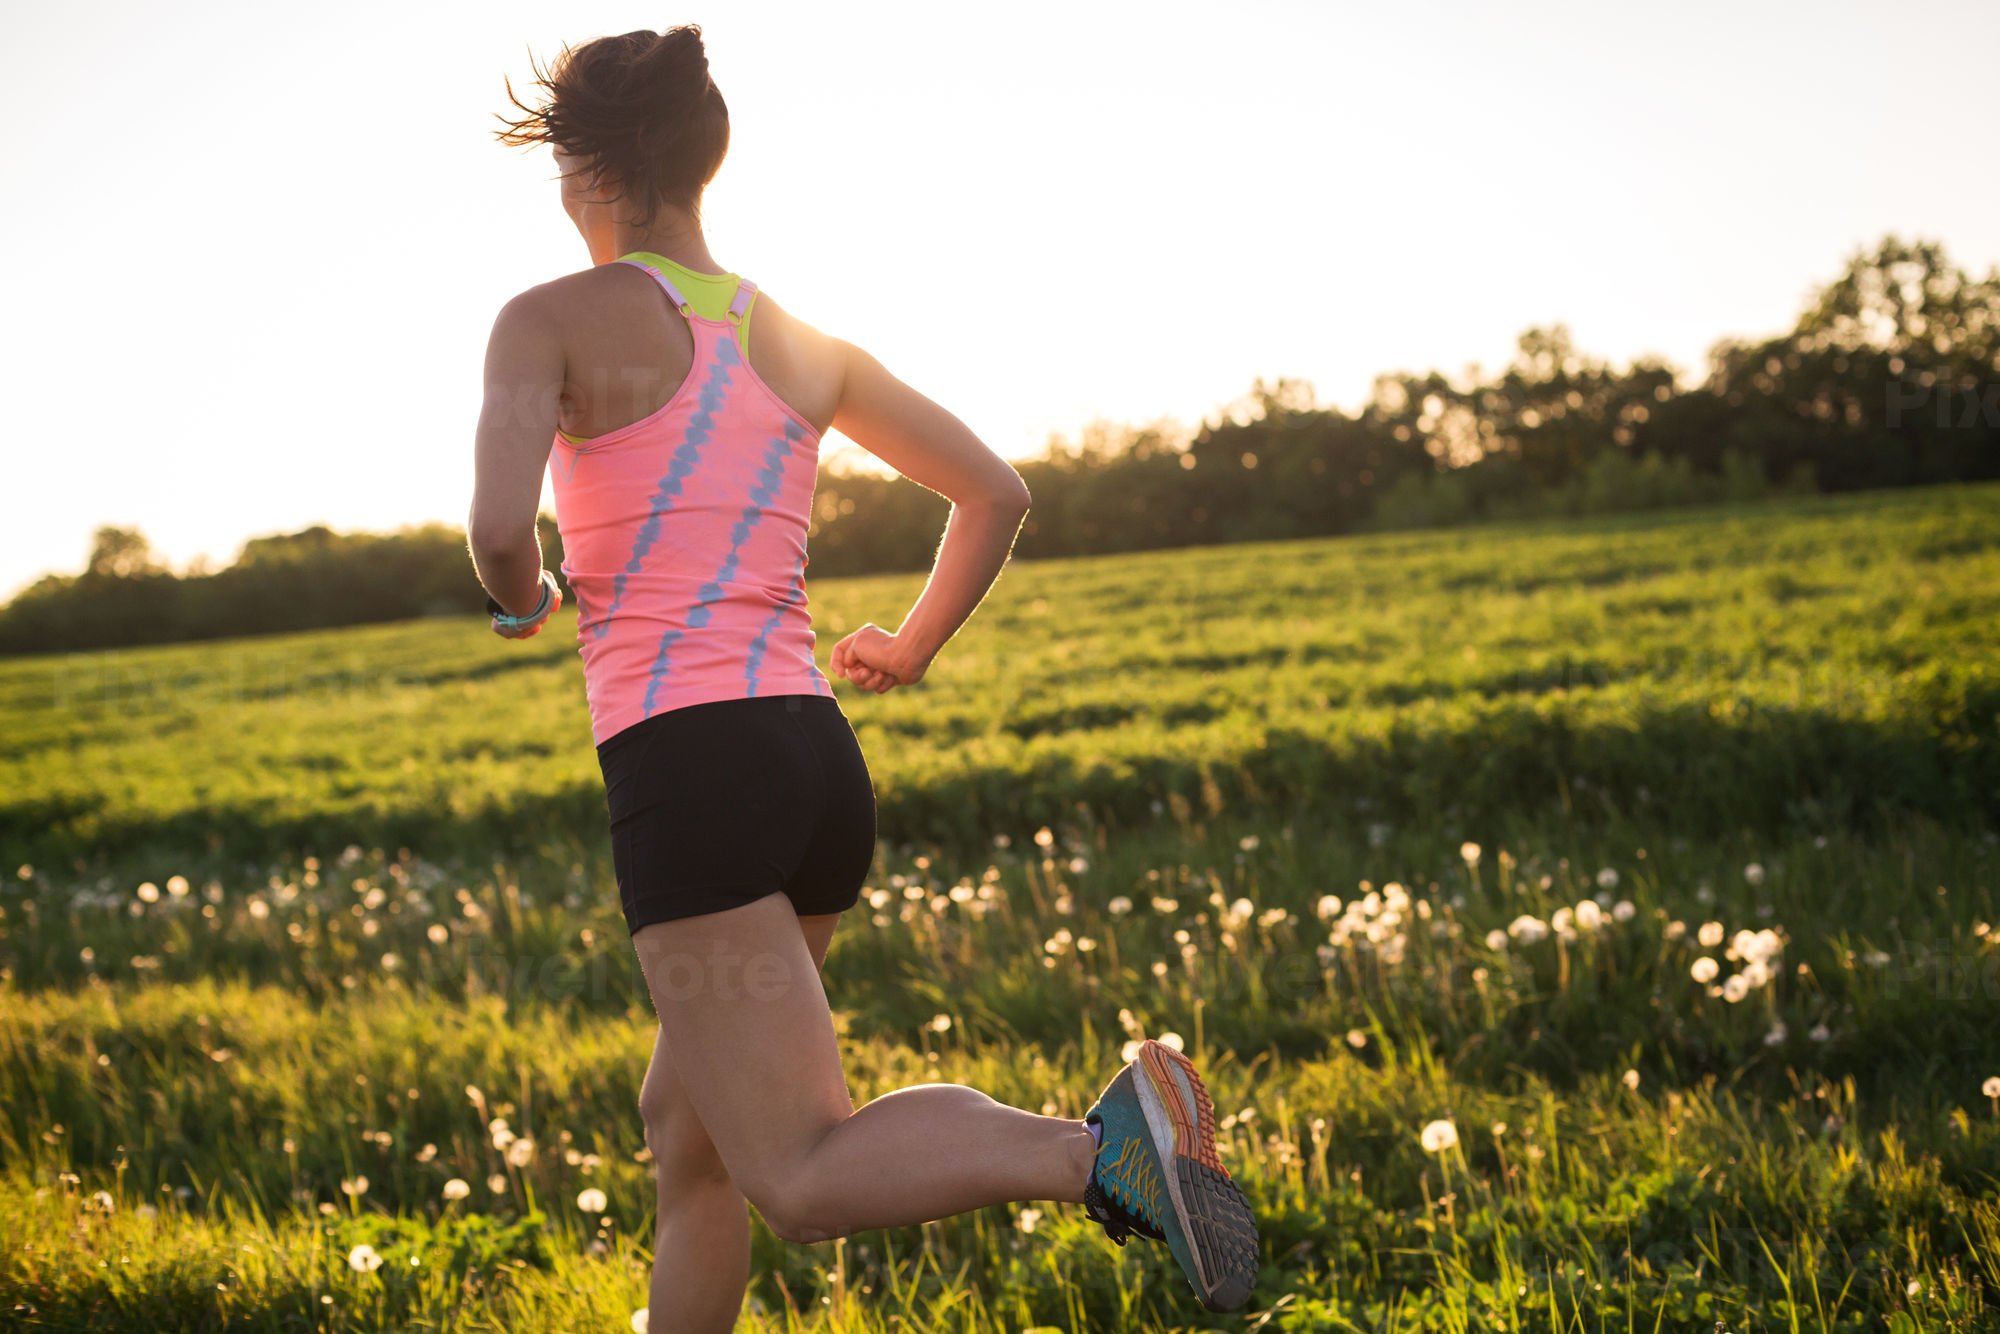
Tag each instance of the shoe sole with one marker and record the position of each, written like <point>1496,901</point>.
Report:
<point>1215,1218</point>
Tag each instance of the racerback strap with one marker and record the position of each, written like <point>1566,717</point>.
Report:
<point>745,291</point>
<point>680,302</point>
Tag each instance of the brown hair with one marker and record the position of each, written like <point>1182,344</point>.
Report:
<point>640,107</point>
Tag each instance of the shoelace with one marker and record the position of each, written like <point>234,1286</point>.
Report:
<point>1118,1221</point>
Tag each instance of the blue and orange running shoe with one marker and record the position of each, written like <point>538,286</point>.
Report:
<point>1157,1174</point>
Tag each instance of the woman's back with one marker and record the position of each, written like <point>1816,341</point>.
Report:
<point>684,518</point>
<point>626,360</point>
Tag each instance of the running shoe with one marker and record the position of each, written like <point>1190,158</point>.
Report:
<point>1157,1175</point>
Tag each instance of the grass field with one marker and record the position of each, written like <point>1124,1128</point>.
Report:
<point>1656,856</point>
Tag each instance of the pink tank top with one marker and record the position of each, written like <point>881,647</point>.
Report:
<point>684,539</point>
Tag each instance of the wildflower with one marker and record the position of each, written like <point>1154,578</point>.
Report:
<point>1776,1037</point>
<point>438,933</point>
<point>940,1023</point>
<point>1623,911</point>
<point>363,1259</point>
<point>591,1200</point>
<point>149,892</point>
<point>1704,969</point>
<point>1439,1137</point>
<point>1248,843</point>
<point>1589,916</point>
<point>1607,878</point>
<point>102,1202</point>
<point>1991,1088</point>
<point>1735,989</point>
<point>1171,1040</point>
<point>521,1152</point>
<point>1163,906</point>
<point>1028,1219</point>
<point>1754,873</point>
<point>1356,1039</point>
<point>1496,939</point>
<point>1045,837</point>
<point>1130,1051</point>
<point>1470,853</point>
<point>1528,929</point>
<point>1499,1129</point>
<point>457,1189</point>
<point>1119,906</point>
<point>1820,1033</point>
<point>1710,935</point>
<point>1630,1079</point>
<point>354,1186</point>
<point>497,1183</point>
<point>639,1316</point>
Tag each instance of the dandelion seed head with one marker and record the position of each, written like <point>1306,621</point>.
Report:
<point>1439,1137</point>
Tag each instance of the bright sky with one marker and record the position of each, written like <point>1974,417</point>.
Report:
<point>254,251</point>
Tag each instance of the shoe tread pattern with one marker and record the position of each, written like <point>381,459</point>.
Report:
<point>1217,1219</point>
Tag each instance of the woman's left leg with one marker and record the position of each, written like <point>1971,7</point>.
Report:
<point>701,1243</point>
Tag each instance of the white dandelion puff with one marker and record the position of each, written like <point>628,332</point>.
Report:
<point>1439,1137</point>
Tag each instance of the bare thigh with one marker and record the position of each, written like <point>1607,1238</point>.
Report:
<point>685,1149</point>
<point>748,1035</point>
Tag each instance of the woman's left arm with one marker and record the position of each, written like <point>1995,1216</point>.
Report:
<point>517,426</point>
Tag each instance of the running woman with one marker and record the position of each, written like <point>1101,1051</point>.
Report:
<point>678,410</point>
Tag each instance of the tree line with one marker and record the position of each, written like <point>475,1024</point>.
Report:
<point>1890,377</point>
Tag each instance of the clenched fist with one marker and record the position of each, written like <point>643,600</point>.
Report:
<point>876,660</point>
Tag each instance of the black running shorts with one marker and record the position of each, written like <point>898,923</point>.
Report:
<point>716,805</point>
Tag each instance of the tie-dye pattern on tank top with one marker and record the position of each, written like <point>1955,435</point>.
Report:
<point>684,539</point>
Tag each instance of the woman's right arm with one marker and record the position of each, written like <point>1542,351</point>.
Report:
<point>933,448</point>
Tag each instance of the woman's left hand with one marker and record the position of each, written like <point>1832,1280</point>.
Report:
<point>533,628</point>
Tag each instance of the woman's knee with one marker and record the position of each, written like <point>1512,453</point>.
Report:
<point>680,1144</point>
<point>798,1214</point>
<point>802,1199</point>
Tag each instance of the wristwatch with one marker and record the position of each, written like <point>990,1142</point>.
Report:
<point>506,622</point>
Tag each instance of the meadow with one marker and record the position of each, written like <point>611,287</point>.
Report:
<point>1582,926</point>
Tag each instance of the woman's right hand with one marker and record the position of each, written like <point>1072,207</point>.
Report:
<point>875,660</point>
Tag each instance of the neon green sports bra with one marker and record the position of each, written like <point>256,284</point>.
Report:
<point>710,295</point>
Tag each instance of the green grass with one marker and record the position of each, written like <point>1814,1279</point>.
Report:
<point>282,903</point>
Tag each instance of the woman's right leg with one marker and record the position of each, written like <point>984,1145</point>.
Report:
<point>701,1239</point>
<point>745,1021</point>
